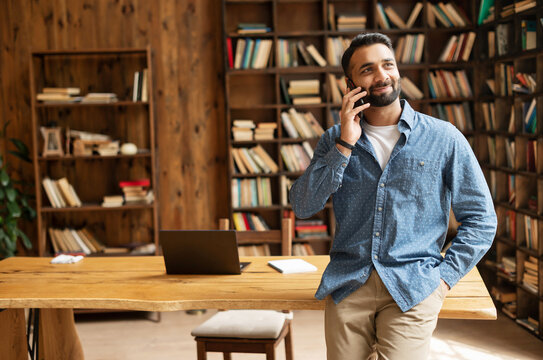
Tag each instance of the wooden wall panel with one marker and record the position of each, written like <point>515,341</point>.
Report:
<point>188,86</point>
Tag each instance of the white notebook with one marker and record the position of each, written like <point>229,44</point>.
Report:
<point>292,266</point>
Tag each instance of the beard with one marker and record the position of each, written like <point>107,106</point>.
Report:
<point>384,99</point>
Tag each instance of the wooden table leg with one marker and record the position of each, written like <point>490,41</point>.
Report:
<point>13,334</point>
<point>58,335</point>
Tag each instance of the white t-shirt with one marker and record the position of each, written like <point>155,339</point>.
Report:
<point>383,139</point>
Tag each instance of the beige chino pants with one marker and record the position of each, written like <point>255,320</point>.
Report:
<point>369,324</point>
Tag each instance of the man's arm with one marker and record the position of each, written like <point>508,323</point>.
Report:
<point>473,208</point>
<point>324,174</point>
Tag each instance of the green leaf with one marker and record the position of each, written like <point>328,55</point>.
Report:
<point>23,149</point>
<point>2,194</point>
<point>1,161</point>
<point>1,221</point>
<point>4,177</point>
<point>11,193</point>
<point>20,156</point>
<point>26,240</point>
<point>14,209</point>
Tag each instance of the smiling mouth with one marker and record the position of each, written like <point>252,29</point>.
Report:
<point>381,89</point>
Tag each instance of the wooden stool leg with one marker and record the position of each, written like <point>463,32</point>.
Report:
<point>201,350</point>
<point>58,335</point>
<point>13,334</point>
<point>227,356</point>
<point>288,344</point>
<point>270,352</point>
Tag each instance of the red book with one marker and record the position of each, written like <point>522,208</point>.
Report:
<point>246,221</point>
<point>141,182</point>
<point>230,54</point>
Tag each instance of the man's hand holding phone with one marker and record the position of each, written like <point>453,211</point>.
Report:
<point>350,118</point>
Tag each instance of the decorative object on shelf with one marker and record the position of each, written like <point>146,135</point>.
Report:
<point>52,143</point>
<point>129,149</point>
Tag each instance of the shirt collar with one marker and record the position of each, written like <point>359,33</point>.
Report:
<point>407,118</point>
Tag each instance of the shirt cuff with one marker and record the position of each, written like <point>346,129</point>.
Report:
<point>448,274</point>
<point>337,162</point>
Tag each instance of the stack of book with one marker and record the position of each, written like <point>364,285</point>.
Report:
<point>447,15</point>
<point>529,112</point>
<point>486,12</point>
<point>253,28</point>
<point>304,92</point>
<point>517,7</point>
<point>302,249</point>
<point>458,48</point>
<point>524,83</point>
<point>251,53</point>
<point>248,221</point>
<point>409,49</point>
<point>351,22</point>
<point>137,192</point>
<point>242,130</point>
<point>337,88</point>
<point>410,90</point>
<point>449,84</point>
<point>254,250</point>
<point>296,157</point>
<point>335,48</point>
<point>508,267</point>
<point>59,95</point>
<point>285,184</point>
<point>529,277</point>
<point>386,17</point>
<point>528,30</point>
<point>113,201</point>
<point>251,192</point>
<point>265,131</point>
<point>504,294</point>
<point>311,229</point>
<point>530,323</point>
<point>300,125</point>
<point>457,114</point>
<point>60,193</point>
<point>99,98</point>
<point>255,160</point>
<point>74,242</point>
<point>531,233</point>
<point>140,91</point>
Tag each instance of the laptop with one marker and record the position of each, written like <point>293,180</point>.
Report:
<point>201,252</point>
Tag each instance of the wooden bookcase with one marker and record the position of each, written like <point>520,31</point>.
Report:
<point>516,183</point>
<point>256,93</point>
<point>94,176</point>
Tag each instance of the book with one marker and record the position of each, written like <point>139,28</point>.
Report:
<point>292,266</point>
<point>414,15</point>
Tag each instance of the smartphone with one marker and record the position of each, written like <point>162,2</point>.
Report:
<point>352,86</point>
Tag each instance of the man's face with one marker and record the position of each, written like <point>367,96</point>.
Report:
<point>373,68</point>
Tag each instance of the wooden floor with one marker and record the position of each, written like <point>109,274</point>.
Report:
<point>135,336</point>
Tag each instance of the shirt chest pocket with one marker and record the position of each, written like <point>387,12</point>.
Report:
<point>419,176</point>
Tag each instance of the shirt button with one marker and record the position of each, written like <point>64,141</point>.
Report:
<point>422,163</point>
<point>382,185</point>
<point>380,208</point>
<point>377,234</point>
<point>375,257</point>
<point>344,165</point>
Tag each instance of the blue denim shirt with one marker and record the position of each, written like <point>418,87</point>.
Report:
<point>395,220</point>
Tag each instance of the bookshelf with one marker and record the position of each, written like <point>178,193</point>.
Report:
<point>509,146</point>
<point>93,175</point>
<point>256,92</point>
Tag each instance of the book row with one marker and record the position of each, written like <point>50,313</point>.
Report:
<point>444,83</point>
<point>251,192</point>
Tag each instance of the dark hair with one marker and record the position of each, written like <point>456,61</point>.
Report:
<point>363,40</point>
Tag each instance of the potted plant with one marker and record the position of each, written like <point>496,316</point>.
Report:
<point>14,199</point>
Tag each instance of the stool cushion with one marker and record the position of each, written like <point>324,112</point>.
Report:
<point>250,324</point>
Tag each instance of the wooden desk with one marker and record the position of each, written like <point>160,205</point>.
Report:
<point>140,283</point>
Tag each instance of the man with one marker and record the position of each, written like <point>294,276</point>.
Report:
<point>394,175</point>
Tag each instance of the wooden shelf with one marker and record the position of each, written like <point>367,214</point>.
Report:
<point>79,104</point>
<point>95,207</point>
<point>146,154</point>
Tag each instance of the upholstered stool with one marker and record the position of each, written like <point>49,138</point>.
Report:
<point>244,331</point>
